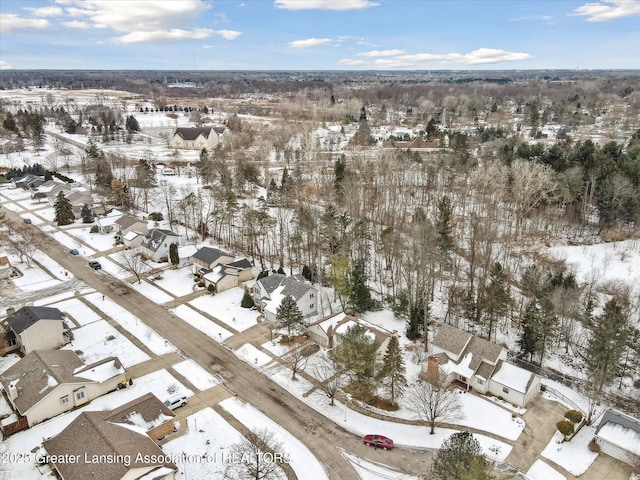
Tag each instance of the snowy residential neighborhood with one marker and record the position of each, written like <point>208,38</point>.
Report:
<point>202,287</point>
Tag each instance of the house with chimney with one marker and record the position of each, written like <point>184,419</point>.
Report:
<point>472,362</point>
<point>46,383</point>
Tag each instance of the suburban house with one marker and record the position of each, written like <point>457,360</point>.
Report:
<point>35,328</point>
<point>269,291</point>
<point>618,435</point>
<point>107,224</point>
<point>327,331</point>
<point>49,190</point>
<point>46,383</point>
<point>197,138</point>
<point>6,269</point>
<point>117,444</point>
<point>127,225</point>
<point>28,181</point>
<point>206,258</point>
<point>78,200</point>
<point>228,275</point>
<point>156,243</point>
<point>473,362</point>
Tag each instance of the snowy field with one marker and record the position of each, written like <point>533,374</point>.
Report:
<point>96,241</point>
<point>72,242</point>
<point>198,376</point>
<point>132,324</point>
<point>202,323</point>
<point>252,355</point>
<point>99,340</point>
<point>226,307</point>
<point>303,462</point>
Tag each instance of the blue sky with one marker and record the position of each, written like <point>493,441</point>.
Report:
<point>319,34</point>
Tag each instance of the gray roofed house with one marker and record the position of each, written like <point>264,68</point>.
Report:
<point>29,181</point>
<point>208,257</point>
<point>269,291</point>
<point>477,363</point>
<point>228,275</point>
<point>46,383</point>
<point>37,328</point>
<point>107,449</point>
<point>197,138</point>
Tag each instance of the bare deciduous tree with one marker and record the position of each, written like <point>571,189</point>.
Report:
<point>133,263</point>
<point>259,456</point>
<point>331,378</point>
<point>435,404</point>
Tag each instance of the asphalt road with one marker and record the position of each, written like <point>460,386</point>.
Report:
<point>321,436</point>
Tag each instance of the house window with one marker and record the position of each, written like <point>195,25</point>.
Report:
<point>64,400</point>
<point>80,395</point>
<point>311,295</point>
<point>480,381</point>
<point>463,379</point>
<point>311,305</point>
<point>12,342</point>
<point>505,389</point>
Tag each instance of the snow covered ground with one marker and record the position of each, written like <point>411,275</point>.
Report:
<point>198,376</point>
<point>574,456</point>
<point>151,292</point>
<point>202,323</point>
<point>226,307</point>
<point>542,471</point>
<point>178,282</point>
<point>368,470</point>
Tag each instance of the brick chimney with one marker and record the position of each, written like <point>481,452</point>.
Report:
<point>433,370</point>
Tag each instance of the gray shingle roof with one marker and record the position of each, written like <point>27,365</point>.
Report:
<point>614,416</point>
<point>483,350</point>
<point>243,263</point>
<point>292,286</point>
<point>208,255</point>
<point>187,133</point>
<point>91,433</point>
<point>451,339</point>
<point>157,237</point>
<point>28,316</point>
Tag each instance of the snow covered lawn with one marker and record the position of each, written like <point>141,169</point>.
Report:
<point>303,462</point>
<point>202,323</point>
<point>252,355</point>
<point>541,471</point>
<point>177,282</point>
<point>226,307</point>
<point>34,278</point>
<point>99,340</point>
<point>80,312</point>
<point>198,376</point>
<point>132,324</point>
<point>368,470</point>
<point>574,456</point>
<point>72,242</point>
<point>97,241</point>
<point>152,293</point>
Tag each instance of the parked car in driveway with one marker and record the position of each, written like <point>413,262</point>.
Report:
<point>73,251</point>
<point>176,401</point>
<point>378,441</point>
<point>95,264</point>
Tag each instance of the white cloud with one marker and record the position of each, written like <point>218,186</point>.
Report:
<point>608,10</point>
<point>45,11</point>
<point>228,34</point>
<point>9,21</point>
<point>5,66</point>
<point>164,36</point>
<point>310,42</point>
<point>340,5</point>
<point>391,63</point>
<point>348,61</point>
<point>545,19</point>
<point>77,24</point>
<point>382,53</point>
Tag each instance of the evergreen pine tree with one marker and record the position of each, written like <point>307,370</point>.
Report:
<point>444,227</point>
<point>289,316</point>
<point>496,299</point>
<point>461,458</point>
<point>394,372</point>
<point>86,214</point>
<point>173,254</point>
<point>360,295</point>
<point>528,338</point>
<point>63,210</point>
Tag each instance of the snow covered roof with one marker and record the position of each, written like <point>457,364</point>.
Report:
<point>513,377</point>
<point>620,436</point>
<point>101,371</point>
<point>187,251</point>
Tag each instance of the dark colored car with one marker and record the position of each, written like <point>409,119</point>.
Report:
<point>73,251</point>
<point>378,441</point>
<point>95,265</point>
<point>27,221</point>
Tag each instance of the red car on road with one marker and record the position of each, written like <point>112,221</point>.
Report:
<point>378,441</point>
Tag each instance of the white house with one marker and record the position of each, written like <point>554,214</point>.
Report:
<point>197,138</point>
<point>269,291</point>
<point>472,362</point>
<point>46,383</point>
<point>229,275</point>
<point>157,242</point>
<point>618,435</point>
